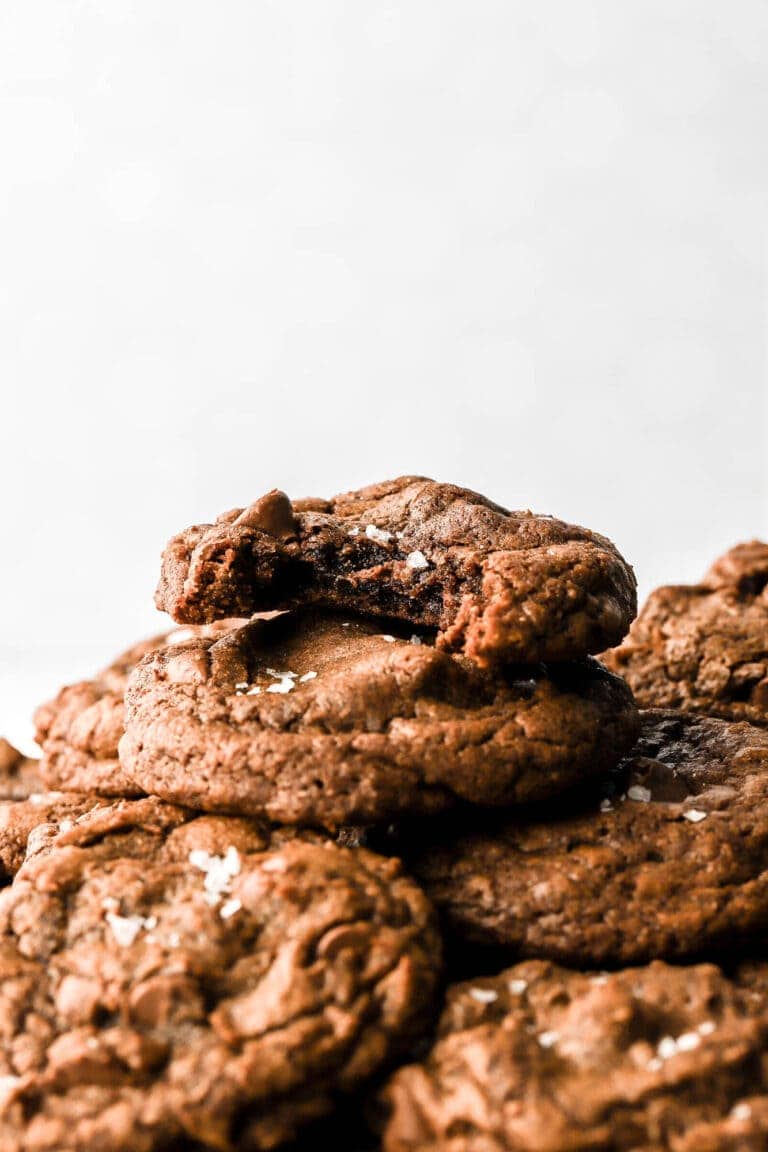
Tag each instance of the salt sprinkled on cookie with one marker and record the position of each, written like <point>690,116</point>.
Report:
<point>125,929</point>
<point>416,560</point>
<point>695,815</point>
<point>483,995</point>
<point>229,908</point>
<point>219,871</point>
<point>282,686</point>
<point>381,535</point>
<point>638,792</point>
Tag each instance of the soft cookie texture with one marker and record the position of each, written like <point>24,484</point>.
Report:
<point>166,979</point>
<point>497,586</point>
<point>704,647</point>
<point>667,858</point>
<point>317,719</point>
<point>80,729</point>
<point>543,1059</point>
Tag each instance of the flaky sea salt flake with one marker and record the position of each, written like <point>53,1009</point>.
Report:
<point>125,929</point>
<point>483,995</point>
<point>379,534</point>
<point>283,686</point>
<point>416,560</point>
<point>230,908</point>
<point>548,1039</point>
<point>638,792</point>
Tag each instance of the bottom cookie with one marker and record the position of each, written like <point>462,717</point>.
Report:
<point>168,978</point>
<point>545,1059</point>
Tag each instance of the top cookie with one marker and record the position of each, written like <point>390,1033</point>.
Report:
<point>80,728</point>
<point>704,647</point>
<point>167,979</point>
<point>496,586</point>
<point>543,1059</point>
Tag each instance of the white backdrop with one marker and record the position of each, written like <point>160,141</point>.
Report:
<point>518,245</point>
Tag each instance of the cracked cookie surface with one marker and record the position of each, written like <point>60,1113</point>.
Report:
<point>497,586</point>
<point>666,858</point>
<point>168,977</point>
<point>316,719</point>
<point>80,728</point>
<point>543,1059</point>
<point>704,647</point>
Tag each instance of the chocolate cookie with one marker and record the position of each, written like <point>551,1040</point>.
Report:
<point>19,775</point>
<point>313,719</point>
<point>166,979</point>
<point>25,807</point>
<point>704,647</point>
<point>79,730</point>
<point>543,1059</point>
<point>667,859</point>
<point>497,586</point>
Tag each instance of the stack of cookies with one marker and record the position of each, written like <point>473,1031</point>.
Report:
<point>378,756</point>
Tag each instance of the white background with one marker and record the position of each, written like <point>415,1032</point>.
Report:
<point>517,245</point>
